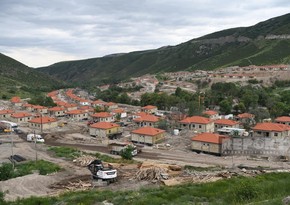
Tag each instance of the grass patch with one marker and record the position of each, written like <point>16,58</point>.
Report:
<point>66,152</point>
<point>44,167</point>
<point>107,158</point>
<point>263,189</point>
<point>202,169</point>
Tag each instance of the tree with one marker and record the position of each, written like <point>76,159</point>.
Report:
<point>126,153</point>
<point>225,106</point>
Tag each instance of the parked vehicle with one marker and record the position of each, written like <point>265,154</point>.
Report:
<point>11,126</point>
<point>117,147</point>
<point>98,171</point>
<point>34,138</point>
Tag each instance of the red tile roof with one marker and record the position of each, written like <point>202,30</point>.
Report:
<point>21,114</point>
<point>210,112</point>
<point>15,99</point>
<point>39,107</point>
<point>110,104</point>
<point>56,109</point>
<point>151,131</point>
<point>42,120</point>
<point>120,110</point>
<point>226,122</point>
<point>197,120</point>
<point>283,119</point>
<point>104,125</point>
<point>149,107</point>
<point>102,114</point>
<point>75,112</point>
<point>27,105</point>
<point>147,118</point>
<point>210,138</point>
<point>269,126</point>
<point>246,115</point>
<point>2,112</point>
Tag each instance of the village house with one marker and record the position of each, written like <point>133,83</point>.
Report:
<point>19,117</point>
<point>198,124</point>
<point>221,123</point>
<point>16,101</point>
<point>146,120</point>
<point>208,143</point>
<point>121,112</point>
<point>283,120</point>
<point>246,118</point>
<point>98,103</point>
<point>105,129</point>
<point>103,117</point>
<point>87,109</point>
<point>28,107</point>
<point>70,107</point>
<point>39,109</point>
<point>43,123</point>
<point>271,130</point>
<point>150,109</point>
<point>56,111</point>
<point>77,115</point>
<point>111,105</point>
<point>211,114</point>
<point>4,114</point>
<point>147,135</point>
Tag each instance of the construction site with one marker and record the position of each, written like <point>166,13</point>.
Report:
<point>167,164</point>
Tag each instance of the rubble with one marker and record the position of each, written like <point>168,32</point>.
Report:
<point>84,160</point>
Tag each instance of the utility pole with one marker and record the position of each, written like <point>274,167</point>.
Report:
<point>12,153</point>
<point>35,142</point>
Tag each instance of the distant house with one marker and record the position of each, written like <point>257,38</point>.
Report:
<point>16,101</point>
<point>147,135</point>
<point>56,111</point>
<point>4,114</point>
<point>98,103</point>
<point>271,130</point>
<point>212,114</point>
<point>198,124</point>
<point>77,114</point>
<point>150,109</point>
<point>283,120</point>
<point>28,107</point>
<point>111,105</point>
<point>246,118</point>
<point>220,123</point>
<point>70,107</point>
<point>208,143</point>
<point>121,112</point>
<point>104,129</point>
<point>19,117</point>
<point>103,117</point>
<point>43,123</point>
<point>87,109</point>
<point>146,120</point>
<point>40,109</point>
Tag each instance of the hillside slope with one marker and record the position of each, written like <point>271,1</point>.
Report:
<point>15,76</point>
<point>267,42</point>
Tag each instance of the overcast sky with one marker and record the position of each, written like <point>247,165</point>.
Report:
<point>42,32</point>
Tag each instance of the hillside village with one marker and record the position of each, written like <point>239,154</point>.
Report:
<point>210,133</point>
<point>166,142</point>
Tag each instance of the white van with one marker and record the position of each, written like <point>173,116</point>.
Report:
<point>34,137</point>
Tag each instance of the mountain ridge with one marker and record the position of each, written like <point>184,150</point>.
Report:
<point>264,43</point>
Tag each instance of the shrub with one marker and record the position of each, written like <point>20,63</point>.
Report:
<point>6,171</point>
<point>127,153</point>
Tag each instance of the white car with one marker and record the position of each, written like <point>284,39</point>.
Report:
<point>34,137</point>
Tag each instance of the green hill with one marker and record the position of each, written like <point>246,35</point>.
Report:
<point>19,79</point>
<point>267,42</point>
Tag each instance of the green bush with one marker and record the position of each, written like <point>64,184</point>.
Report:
<point>66,152</point>
<point>127,152</point>
<point>6,171</point>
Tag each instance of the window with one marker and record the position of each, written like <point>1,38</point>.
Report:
<point>199,126</point>
<point>275,134</point>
